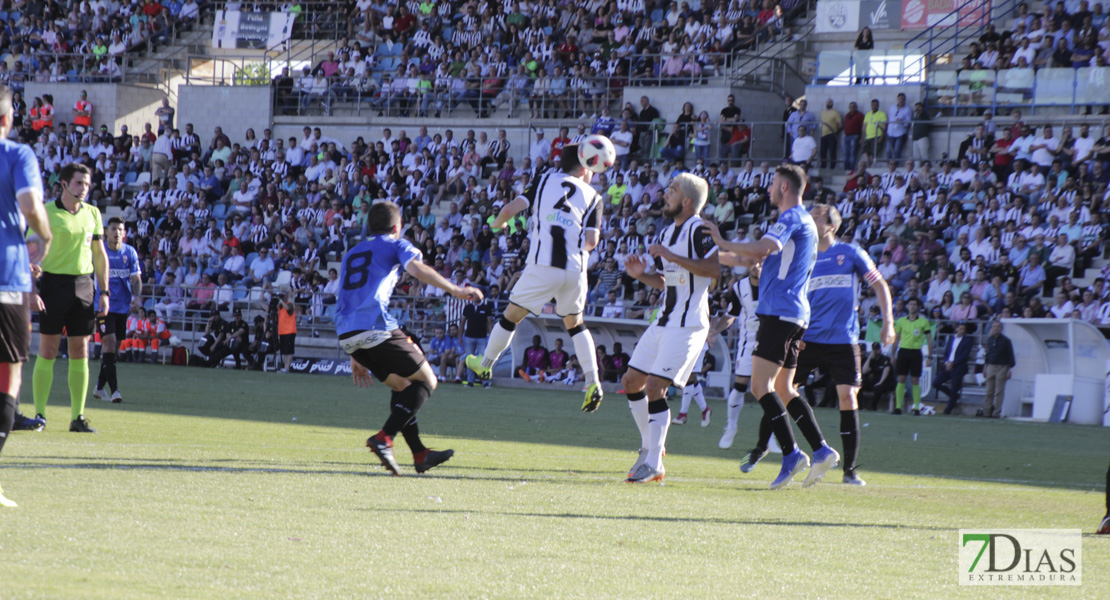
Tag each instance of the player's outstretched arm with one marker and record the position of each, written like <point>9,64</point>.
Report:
<point>636,268</point>
<point>702,267</point>
<point>882,295</point>
<point>509,211</point>
<point>748,252</point>
<point>430,276</point>
<point>34,211</point>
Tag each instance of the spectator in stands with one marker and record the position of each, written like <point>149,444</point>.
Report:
<point>804,148</point>
<point>875,129</point>
<point>898,128</point>
<point>919,132</point>
<point>853,129</point>
<point>831,125</point>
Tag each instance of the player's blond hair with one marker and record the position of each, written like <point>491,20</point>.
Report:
<point>693,187</point>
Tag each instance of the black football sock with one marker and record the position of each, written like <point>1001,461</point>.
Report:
<point>404,405</point>
<point>765,432</point>
<point>112,382</point>
<point>1108,492</point>
<point>780,423</point>
<point>849,437</point>
<point>7,417</point>
<point>412,437</point>
<point>803,415</point>
<point>102,377</point>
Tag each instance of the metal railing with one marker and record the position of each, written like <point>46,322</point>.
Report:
<point>966,21</point>
<point>1019,88</point>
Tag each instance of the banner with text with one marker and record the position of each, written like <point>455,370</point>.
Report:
<point>922,14</point>
<point>251,30</point>
<point>840,16</point>
<point>321,366</point>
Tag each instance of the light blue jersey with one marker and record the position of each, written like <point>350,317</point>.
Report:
<point>19,173</point>
<point>834,294</point>
<point>367,277</point>
<point>122,264</point>
<point>782,286</point>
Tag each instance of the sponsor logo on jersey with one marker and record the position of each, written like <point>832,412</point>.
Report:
<point>840,260</point>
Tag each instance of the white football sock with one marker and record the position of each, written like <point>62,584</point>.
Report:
<point>699,396</point>
<point>658,424</point>
<point>735,405</point>
<point>587,354</point>
<point>687,396</point>
<point>640,416</point>
<point>499,339</point>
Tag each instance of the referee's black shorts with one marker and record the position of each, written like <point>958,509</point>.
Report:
<point>909,362</point>
<point>777,341</point>
<point>15,327</point>
<point>69,304</point>
<point>399,354</point>
<point>840,361</point>
<point>112,324</point>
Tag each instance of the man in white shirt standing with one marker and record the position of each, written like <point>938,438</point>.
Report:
<point>1045,148</point>
<point>803,149</point>
<point>540,149</point>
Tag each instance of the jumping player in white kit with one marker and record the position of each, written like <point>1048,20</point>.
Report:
<point>564,228</point>
<point>683,264</point>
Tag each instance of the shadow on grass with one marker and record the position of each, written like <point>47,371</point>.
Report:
<point>1054,456</point>
<point>700,520</point>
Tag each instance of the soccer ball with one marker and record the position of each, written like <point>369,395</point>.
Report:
<point>597,153</point>
<point>927,410</point>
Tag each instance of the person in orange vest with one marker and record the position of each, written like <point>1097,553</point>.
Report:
<point>46,113</point>
<point>36,114</point>
<point>82,113</point>
<point>287,329</point>
<point>159,333</point>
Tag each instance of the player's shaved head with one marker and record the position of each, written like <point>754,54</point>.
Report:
<point>382,217</point>
<point>693,187</point>
<point>569,160</point>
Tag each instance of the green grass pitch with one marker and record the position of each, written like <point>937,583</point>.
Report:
<point>221,484</point>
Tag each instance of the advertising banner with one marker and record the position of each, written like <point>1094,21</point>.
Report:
<point>251,30</point>
<point>921,14</point>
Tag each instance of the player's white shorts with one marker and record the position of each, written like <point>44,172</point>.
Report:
<point>744,347</point>
<point>669,352</point>
<point>538,285</point>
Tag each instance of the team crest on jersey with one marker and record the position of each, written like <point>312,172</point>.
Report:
<point>840,260</point>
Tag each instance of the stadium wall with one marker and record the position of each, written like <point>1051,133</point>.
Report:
<point>234,108</point>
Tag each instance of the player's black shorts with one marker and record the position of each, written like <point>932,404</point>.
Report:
<point>15,327</point>
<point>909,362</point>
<point>113,324</point>
<point>777,341</point>
<point>399,354</point>
<point>69,304</point>
<point>840,361</point>
<point>287,343</point>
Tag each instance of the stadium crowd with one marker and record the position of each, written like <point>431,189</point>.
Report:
<point>561,58</point>
<point>82,41</point>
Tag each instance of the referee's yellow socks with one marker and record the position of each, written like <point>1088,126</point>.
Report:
<point>41,382</point>
<point>78,385</point>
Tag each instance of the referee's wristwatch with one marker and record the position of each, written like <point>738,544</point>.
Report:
<point>105,293</point>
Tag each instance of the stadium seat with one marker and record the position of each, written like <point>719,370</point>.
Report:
<point>283,279</point>
<point>142,178</point>
<point>219,211</point>
<point>250,258</point>
<point>657,16</point>
<point>130,178</point>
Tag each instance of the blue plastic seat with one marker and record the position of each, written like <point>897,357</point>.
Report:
<point>657,16</point>
<point>219,211</point>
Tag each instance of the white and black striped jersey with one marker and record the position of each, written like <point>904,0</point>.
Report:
<point>686,296</point>
<point>563,208</point>
<point>740,303</point>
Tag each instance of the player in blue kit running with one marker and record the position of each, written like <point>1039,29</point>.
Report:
<point>831,342</point>
<point>373,339</point>
<point>20,205</point>
<point>787,251</point>
<point>125,286</point>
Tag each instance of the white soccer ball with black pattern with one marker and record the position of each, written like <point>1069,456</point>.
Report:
<point>927,410</point>
<point>597,153</point>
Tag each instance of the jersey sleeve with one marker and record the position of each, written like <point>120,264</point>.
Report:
<point>704,246</point>
<point>407,253</point>
<point>27,176</point>
<point>781,231</point>
<point>530,195</point>
<point>866,267</point>
<point>136,268</point>
<point>98,224</point>
<point>594,215</point>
